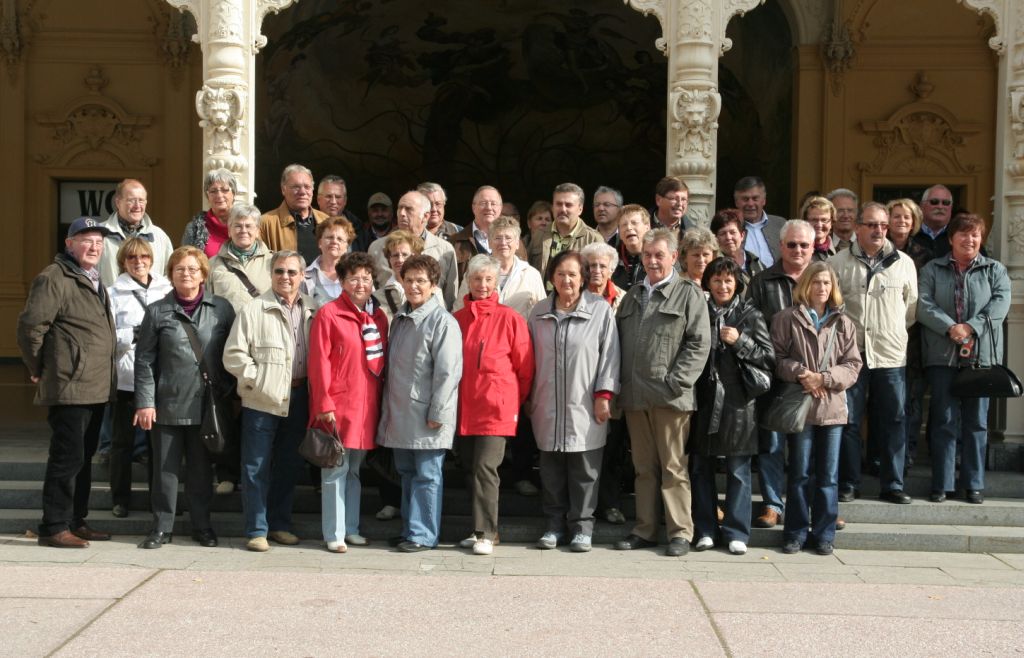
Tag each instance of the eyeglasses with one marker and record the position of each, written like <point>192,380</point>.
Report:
<point>801,245</point>
<point>95,242</point>
<point>219,190</point>
<point>502,239</point>
<point>606,204</point>
<point>944,202</point>
<point>280,270</point>
<point>335,197</point>
<point>488,204</point>
<point>138,257</point>
<point>874,226</point>
<point>135,202</point>
<point>185,270</point>
<point>359,280</point>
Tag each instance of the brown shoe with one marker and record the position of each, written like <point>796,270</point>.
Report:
<point>769,519</point>
<point>63,539</point>
<point>840,523</point>
<point>88,534</point>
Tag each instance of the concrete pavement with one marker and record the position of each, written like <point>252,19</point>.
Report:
<point>114,599</point>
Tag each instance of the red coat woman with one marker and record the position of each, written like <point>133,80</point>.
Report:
<point>497,371</point>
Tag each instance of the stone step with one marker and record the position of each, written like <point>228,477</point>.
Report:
<point>867,536</point>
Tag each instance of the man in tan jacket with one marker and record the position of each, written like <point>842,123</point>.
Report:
<point>567,232</point>
<point>292,226</point>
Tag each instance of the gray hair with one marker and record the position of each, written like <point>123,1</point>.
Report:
<point>285,254</point>
<point>600,250</point>
<point>330,179</point>
<point>927,194</point>
<point>842,191</point>
<point>424,201</point>
<point>482,262</point>
<point>484,188</point>
<point>698,238</point>
<point>241,211</point>
<point>872,205</point>
<point>795,225</point>
<point>608,190</point>
<point>432,188</point>
<point>220,176</point>
<point>661,234</point>
<point>570,188</point>
<point>505,223</point>
<point>295,169</point>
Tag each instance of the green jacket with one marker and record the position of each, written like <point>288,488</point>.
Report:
<point>664,347</point>
<point>66,336</point>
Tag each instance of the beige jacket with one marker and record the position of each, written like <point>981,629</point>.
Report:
<point>882,303</point>
<point>259,353</point>
<point>540,244</point>
<point>225,283</point>
<point>277,228</point>
<point>433,246</point>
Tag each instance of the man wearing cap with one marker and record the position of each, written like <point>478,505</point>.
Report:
<point>66,338</point>
<point>130,220</point>
<point>380,221</point>
<point>292,226</point>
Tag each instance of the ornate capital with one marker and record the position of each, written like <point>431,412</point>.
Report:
<point>695,119</point>
<point>221,111</point>
<point>838,51</point>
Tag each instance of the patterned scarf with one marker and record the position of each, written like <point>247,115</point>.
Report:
<point>373,344</point>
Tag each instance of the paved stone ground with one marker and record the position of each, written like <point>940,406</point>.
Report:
<point>116,600</point>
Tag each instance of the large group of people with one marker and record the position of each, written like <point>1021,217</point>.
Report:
<point>649,347</point>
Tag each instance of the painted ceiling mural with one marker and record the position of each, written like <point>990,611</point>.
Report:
<point>523,96</point>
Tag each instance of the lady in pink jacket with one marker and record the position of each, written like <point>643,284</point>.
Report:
<point>497,370</point>
<point>346,363</point>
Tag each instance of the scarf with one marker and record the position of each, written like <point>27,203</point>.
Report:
<point>718,315</point>
<point>190,305</point>
<point>373,344</point>
<point>610,293</point>
<point>243,256</point>
<point>216,234</point>
<point>130,230</point>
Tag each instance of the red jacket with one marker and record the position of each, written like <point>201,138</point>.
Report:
<point>339,379</point>
<point>497,367</point>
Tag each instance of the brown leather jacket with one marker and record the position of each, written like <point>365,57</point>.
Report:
<point>277,228</point>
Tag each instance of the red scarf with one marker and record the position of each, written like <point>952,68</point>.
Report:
<point>373,344</point>
<point>610,293</point>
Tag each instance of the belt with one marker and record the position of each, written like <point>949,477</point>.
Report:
<point>299,381</point>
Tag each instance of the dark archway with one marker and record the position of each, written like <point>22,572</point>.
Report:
<point>524,95</point>
<point>755,129</point>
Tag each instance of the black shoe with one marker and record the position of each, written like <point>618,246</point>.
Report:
<point>206,537</point>
<point>937,496</point>
<point>895,496</point>
<point>847,495</point>
<point>157,539</point>
<point>677,547</point>
<point>119,510</point>
<point>633,542</point>
<point>395,541</point>
<point>791,546</point>
<point>974,496</point>
<point>824,548</point>
<point>412,547</point>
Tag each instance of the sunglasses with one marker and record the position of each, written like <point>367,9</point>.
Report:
<point>280,270</point>
<point>945,202</point>
<point>802,245</point>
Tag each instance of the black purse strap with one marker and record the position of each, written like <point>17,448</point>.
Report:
<point>197,349</point>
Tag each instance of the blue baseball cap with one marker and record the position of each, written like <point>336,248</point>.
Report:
<point>83,224</point>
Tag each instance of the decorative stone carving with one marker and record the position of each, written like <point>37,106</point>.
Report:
<point>995,9</point>
<point>1015,233</point>
<point>1016,98</point>
<point>838,51</point>
<point>656,7</point>
<point>10,39</point>
<point>695,117</point>
<point>220,116</point>
<point>694,20</point>
<point>95,128</point>
<point>174,31</point>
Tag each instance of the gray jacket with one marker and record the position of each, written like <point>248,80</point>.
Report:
<point>664,347</point>
<point>987,289</point>
<point>422,383</point>
<point>576,355</point>
<point>166,371</point>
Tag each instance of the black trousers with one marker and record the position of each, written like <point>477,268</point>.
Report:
<point>122,445</point>
<point>68,479</point>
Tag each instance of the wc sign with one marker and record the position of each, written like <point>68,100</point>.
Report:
<point>84,198</point>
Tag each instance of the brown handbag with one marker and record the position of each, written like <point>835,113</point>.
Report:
<point>321,446</point>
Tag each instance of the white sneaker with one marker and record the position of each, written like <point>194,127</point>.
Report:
<point>483,547</point>
<point>224,487</point>
<point>704,543</point>
<point>356,540</point>
<point>387,513</point>
<point>736,547</point>
<point>470,541</point>
<point>337,547</point>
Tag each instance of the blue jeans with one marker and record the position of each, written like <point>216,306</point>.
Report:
<point>342,490</point>
<point>914,408</point>
<point>271,464</point>
<point>887,440</point>
<point>817,489</point>
<point>736,524</point>
<point>422,488</point>
<point>949,419</point>
<point>772,469</point>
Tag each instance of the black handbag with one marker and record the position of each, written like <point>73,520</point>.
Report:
<point>321,447</point>
<point>756,381</point>
<point>790,403</point>
<point>993,381</point>
<point>217,426</point>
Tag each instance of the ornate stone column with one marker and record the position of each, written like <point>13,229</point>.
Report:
<point>694,40</point>
<point>228,32</point>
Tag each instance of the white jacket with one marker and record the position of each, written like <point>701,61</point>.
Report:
<point>158,240</point>
<point>259,353</point>
<point>882,304</point>
<point>523,289</point>
<point>127,297</point>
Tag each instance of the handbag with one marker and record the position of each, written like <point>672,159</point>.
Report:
<point>993,381</point>
<point>756,381</point>
<point>321,447</point>
<point>790,403</point>
<point>217,426</point>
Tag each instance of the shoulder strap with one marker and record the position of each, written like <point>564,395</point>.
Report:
<point>245,281</point>
<point>197,349</point>
<point>389,296</point>
<point>828,349</point>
